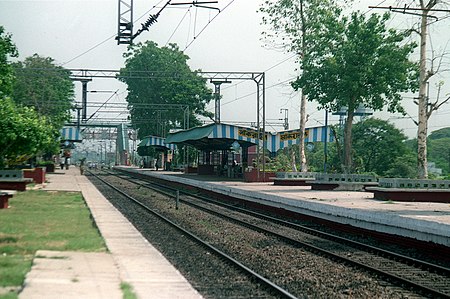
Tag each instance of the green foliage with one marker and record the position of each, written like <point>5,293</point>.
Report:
<point>41,84</point>
<point>24,133</point>
<point>127,290</point>
<point>441,133</point>
<point>7,49</point>
<point>154,98</point>
<point>438,148</point>
<point>294,23</point>
<point>358,61</point>
<point>281,162</point>
<point>439,152</point>
<point>403,167</point>
<point>377,146</point>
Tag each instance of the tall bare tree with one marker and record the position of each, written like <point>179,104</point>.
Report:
<point>426,108</point>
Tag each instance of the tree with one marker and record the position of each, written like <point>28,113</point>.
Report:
<point>297,23</point>
<point>158,98</point>
<point>439,152</point>
<point>425,108</point>
<point>41,84</point>
<point>377,145</point>
<point>24,133</point>
<point>357,61</point>
<point>7,49</point>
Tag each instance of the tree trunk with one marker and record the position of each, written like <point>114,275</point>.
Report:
<point>422,129</point>
<point>293,162</point>
<point>304,166</point>
<point>348,167</point>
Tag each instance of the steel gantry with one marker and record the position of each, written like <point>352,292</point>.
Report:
<point>257,77</point>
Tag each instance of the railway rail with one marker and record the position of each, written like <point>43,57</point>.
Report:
<point>428,279</point>
<point>253,276</point>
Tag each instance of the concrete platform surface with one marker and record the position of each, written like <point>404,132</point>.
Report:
<point>426,221</point>
<point>132,259</point>
<point>57,274</point>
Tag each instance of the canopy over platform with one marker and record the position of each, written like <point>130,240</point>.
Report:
<point>215,137</point>
<point>222,136</point>
<point>159,143</point>
<point>70,134</point>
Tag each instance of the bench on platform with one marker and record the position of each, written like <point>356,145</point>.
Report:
<point>5,195</point>
<point>293,178</point>
<point>398,189</point>
<point>344,182</point>
<point>13,180</point>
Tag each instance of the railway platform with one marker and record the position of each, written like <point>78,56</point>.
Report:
<point>131,259</point>
<point>424,221</point>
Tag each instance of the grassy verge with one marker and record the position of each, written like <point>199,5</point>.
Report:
<point>42,220</point>
<point>127,291</point>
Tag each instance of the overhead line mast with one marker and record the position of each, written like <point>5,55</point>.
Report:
<point>125,21</point>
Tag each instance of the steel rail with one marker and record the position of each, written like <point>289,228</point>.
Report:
<point>356,244</point>
<point>223,255</point>
<point>371,249</point>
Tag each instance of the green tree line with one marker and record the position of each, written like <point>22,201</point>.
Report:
<point>34,104</point>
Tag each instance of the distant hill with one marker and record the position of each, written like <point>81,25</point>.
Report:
<point>439,134</point>
<point>438,148</point>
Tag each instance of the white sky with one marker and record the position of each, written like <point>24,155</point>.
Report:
<point>65,29</point>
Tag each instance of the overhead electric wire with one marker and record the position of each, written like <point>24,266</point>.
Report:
<point>113,36</point>
<point>207,24</point>
<point>176,28</point>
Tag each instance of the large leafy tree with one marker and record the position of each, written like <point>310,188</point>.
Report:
<point>295,24</point>
<point>160,88</point>
<point>7,49</point>
<point>47,87</point>
<point>24,133</point>
<point>358,61</point>
<point>377,145</point>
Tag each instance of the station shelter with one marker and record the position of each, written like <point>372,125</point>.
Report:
<point>227,149</point>
<point>164,152</point>
<point>69,136</point>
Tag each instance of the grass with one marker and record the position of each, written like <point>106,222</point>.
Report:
<point>127,291</point>
<point>40,220</point>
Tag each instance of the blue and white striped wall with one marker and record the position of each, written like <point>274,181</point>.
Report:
<point>276,141</point>
<point>71,134</point>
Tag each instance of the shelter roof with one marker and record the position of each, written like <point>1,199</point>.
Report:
<point>157,142</point>
<point>215,137</point>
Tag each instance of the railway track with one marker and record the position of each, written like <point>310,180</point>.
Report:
<point>428,279</point>
<point>254,279</point>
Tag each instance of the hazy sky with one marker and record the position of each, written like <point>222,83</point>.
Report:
<point>80,34</point>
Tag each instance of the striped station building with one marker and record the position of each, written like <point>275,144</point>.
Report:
<point>242,135</point>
